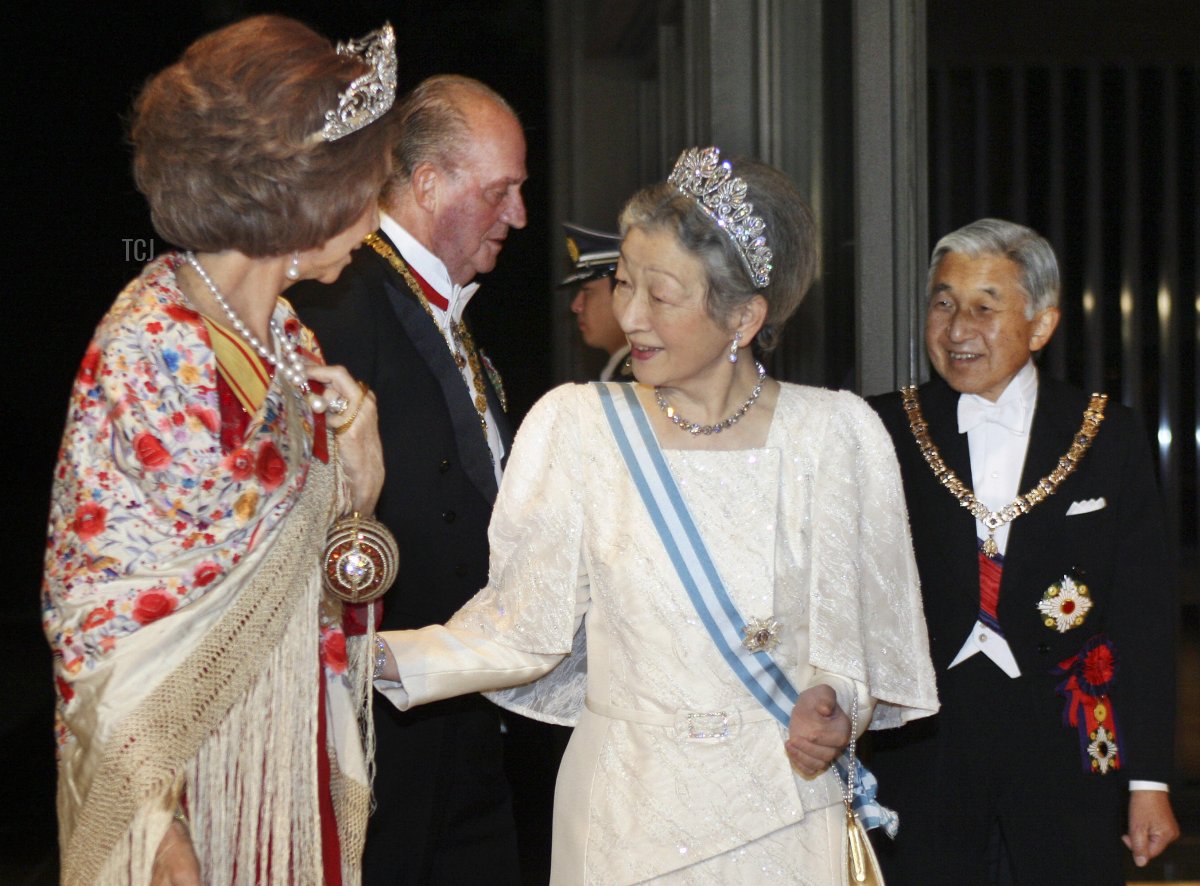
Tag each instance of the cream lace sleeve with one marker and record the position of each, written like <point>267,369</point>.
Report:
<point>862,542</point>
<point>525,621</point>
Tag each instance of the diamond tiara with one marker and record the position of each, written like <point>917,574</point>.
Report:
<point>369,96</point>
<point>700,173</point>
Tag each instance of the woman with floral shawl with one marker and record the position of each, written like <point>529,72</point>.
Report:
<point>209,721</point>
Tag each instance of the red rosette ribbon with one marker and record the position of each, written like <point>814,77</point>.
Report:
<point>1089,677</point>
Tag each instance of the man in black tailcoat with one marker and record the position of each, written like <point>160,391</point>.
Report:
<point>1051,621</point>
<point>394,318</point>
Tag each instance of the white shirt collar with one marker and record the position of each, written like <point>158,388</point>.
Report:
<point>1018,399</point>
<point>429,266</point>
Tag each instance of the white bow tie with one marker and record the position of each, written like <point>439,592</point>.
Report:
<point>973,411</point>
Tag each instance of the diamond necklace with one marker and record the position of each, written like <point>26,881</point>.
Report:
<point>286,361</point>
<point>693,428</point>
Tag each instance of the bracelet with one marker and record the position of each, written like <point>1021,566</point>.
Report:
<point>380,656</point>
<point>345,426</point>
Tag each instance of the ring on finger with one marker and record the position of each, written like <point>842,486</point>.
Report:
<point>338,404</point>
<point>345,426</point>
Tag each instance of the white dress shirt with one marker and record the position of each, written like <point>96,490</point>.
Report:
<point>998,438</point>
<point>433,271</point>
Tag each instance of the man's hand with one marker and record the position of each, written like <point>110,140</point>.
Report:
<point>1152,825</point>
<point>818,731</point>
<point>175,862</point>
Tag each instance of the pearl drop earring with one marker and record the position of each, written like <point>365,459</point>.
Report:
<point>293,271</point>
<point>734,345</point>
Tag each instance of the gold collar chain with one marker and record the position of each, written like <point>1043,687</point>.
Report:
<point>459,333</point>
<point>1022,504</point>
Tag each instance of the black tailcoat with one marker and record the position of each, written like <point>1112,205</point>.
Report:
<point>443,803</point>
<point>999,749</point>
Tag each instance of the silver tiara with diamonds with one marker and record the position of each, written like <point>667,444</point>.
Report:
<point>369,96</point>
<point>700,173</point>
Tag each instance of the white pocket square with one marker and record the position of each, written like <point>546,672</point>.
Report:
<point>1086,506</point>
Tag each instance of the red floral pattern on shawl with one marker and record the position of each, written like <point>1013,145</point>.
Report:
<point>149,512</point>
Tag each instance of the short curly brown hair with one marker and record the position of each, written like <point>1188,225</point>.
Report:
<point>222,150</point>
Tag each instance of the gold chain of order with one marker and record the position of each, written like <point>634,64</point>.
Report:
<point>459,333</point>
<point>1022,504</point>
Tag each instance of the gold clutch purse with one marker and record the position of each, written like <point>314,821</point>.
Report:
<point>361,559</point>
<point>861,863</point>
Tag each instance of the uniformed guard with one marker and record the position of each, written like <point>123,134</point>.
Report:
<point>594,257</point>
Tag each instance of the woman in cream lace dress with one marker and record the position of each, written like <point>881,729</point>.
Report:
<point>675,772</point>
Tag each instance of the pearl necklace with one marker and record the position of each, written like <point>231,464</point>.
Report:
<point>286,361</point>
<point>693,428</point>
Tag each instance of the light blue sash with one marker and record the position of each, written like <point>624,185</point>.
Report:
<point>681,538</point>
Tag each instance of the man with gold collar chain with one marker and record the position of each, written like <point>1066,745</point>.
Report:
<point>395,315</point>
<point>1048,594</point>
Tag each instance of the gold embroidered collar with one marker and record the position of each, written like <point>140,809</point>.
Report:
<point>459,334</point>
<point>1022,504</point>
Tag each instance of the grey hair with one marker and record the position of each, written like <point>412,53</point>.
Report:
<point>433,127</point>
<point>790,232</point>
<point>1037,268</point>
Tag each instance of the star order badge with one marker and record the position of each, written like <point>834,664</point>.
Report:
<point>1065,604</point>
<point>1102,750</point>
<point>761,634</point>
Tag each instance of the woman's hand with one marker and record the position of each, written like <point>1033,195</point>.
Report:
<point>357,432</point>
<point>818,731</point>
<point>175,862</point>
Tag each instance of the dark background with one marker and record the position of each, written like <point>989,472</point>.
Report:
<point>77,231</point>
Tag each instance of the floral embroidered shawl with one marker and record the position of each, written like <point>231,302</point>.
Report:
<point>176,588</point>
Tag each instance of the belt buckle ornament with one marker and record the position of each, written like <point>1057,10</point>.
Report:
<point>1065,604</point>
<point>761,634</point>
<point>714,726</point>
